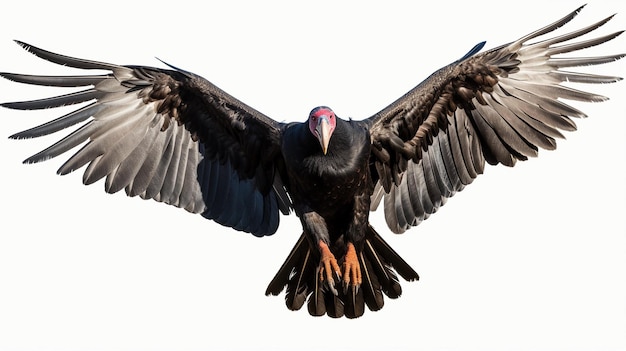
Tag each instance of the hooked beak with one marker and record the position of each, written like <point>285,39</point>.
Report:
<point>322,131</point>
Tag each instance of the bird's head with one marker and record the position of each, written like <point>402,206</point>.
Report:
<point>322,122</point>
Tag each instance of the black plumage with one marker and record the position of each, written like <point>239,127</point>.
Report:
<point>172,136</point>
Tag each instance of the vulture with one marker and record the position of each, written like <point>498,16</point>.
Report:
<point>170,135</point>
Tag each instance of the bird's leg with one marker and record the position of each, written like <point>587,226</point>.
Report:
<point>315,226</point>
<point>351,268</point>
<point>355,236</point>
<point>328,266</point>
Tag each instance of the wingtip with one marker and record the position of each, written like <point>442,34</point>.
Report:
<point>7,105</point>
<point>15,136</point>
<point>576,12</point>
<point>7,76</point>
<point>24,45</point>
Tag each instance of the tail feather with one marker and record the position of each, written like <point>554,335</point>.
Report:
<point>379,264</point>
<point>371,285</point>
<point>293,274</point>
<point>298,287</point>
<point>392,257</point>
<point>388,280</point>
<point>324,302</point>
<point>316,304</point>
<point>354,301</point>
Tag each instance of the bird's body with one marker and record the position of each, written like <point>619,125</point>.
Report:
<point>331,195</point>
<point>172,136</point>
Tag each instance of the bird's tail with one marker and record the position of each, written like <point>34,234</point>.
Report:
<point>379,264</point>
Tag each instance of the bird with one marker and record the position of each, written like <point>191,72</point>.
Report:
<point>169,135</point>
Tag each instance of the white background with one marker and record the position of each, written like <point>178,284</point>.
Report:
<point>528,258</point>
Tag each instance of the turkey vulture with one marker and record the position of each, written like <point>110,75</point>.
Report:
<point>172,136</point>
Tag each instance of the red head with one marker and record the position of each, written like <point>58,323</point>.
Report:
<point>322,122</point>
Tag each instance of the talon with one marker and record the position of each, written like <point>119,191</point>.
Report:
<point>331,287</point>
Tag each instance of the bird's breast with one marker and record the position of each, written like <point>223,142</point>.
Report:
<point>327,181</point>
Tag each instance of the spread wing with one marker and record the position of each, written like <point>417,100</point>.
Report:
<point>499,106</point>
<point>167,135</point>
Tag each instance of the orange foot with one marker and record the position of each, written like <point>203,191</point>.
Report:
<point>351,269</point>
<point>328,266</point>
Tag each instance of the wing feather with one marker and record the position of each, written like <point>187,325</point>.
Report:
<point>460,146</point>
<point>499,106</point>
<point>60,123</point>
<point>56,101</point>
<point>128,170</point>
<point>441,162</point>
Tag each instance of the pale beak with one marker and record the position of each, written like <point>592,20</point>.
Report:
<point>323,132</point>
